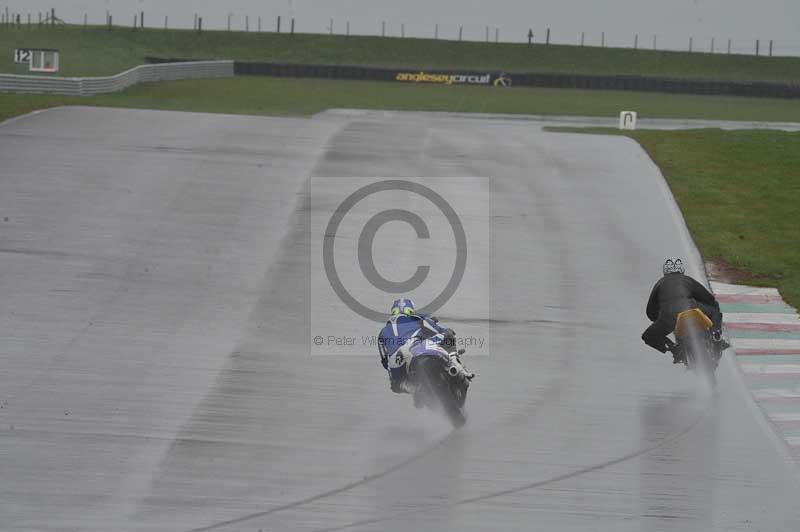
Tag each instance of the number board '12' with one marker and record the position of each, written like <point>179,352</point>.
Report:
<point>22,55</point>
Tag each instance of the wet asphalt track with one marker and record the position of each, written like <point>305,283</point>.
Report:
<point>155,358</point>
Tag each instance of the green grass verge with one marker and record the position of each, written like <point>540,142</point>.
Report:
<point>97,51</point>
<point>739,192</point>
<point>275,96</point>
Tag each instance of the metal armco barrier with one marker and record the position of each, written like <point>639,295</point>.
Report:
<point>123,80</point>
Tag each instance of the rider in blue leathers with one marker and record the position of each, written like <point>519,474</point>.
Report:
<point>404,327</point>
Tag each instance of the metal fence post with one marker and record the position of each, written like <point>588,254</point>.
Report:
<point>547,40</point>
<point>279,23</point>
<point>770,47</point>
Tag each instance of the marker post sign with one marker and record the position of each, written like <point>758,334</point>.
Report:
<point>22,55</point>
<point>627,120</point>
<point>38,60</point>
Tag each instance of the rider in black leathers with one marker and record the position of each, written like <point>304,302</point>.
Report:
<point>671,295</point>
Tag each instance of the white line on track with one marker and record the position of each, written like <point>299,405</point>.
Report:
<point>777,393</point>
<point>771,369</point>
<point>766,317</point>
<point>766,343</point>
<point>784,416</point>
<point>739,290</point>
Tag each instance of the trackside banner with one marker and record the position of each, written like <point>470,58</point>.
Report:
<point>560,80</point>
<point>447,78</point>
<point>439,77</point>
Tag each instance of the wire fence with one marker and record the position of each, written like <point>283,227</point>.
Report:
<point>384,28</point>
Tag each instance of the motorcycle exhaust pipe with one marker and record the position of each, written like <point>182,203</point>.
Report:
<point>455,369</point>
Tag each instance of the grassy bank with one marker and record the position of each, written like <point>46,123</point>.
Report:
<point>274,96</point>
<point>739,192</point>
<point>98,51</point>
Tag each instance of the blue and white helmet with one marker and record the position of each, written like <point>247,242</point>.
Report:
<point>403,306</point>
<point>673,265</point>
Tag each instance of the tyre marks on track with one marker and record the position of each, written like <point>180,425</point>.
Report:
<point>537,484</point>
